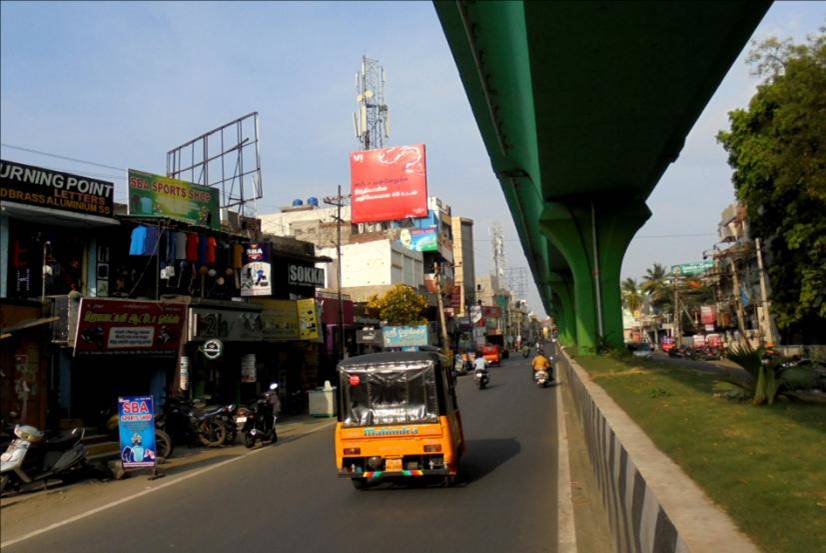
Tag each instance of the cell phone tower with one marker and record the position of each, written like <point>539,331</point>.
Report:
<point>497,244</point>
<point>371,121</point>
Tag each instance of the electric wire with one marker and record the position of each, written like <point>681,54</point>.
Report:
<point>58,156</point>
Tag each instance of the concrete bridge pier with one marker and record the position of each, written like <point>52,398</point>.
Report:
<point>578,229</point>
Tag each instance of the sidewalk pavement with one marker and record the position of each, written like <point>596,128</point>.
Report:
<point>28,512</point>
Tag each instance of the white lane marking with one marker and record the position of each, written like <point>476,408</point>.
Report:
<point>145,492</point>
<point>566,527</point>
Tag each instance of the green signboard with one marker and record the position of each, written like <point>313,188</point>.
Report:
<point>691,269</point>
<point>156,196</point>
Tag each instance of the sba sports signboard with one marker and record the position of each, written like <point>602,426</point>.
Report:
<point>388,184</point>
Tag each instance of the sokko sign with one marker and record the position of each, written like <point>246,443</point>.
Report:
<point>388,184</point>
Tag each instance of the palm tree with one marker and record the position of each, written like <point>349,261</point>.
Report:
<point>631,295</point>
<point>656,284</point>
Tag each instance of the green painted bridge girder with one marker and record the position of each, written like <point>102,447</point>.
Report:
<point>582,106</point>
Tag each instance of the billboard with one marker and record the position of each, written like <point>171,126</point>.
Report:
<point>256,273</point>
<point>136,426</point>
<point>156,196</point>
<point>691,269</point>
<point>388,184</point>
<point>420,240</point>
<point>35,186</point>
<point>128,327</point>
<point>404,336</point>
<point>307,319</point>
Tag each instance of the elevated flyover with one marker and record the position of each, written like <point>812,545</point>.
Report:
<point>582,106</point>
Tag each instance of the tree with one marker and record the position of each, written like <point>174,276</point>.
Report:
<point>401,305</point>
<point>631,295</point>
<point>655,283</point>
<point>777,149</point>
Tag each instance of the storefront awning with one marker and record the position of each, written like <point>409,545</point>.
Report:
<point>26,325</point>
<point>45,215</point>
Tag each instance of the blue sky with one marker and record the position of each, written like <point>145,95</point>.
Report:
<point>122,83</point>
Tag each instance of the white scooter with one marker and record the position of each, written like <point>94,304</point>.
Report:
<point>32,458</point>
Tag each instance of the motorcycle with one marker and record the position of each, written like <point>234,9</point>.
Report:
<point>190,421</point>
<point>33,457</point>
<point>257,422</point>
<point>526,352</point>
<point>482,378</point>
<point>541,378</point>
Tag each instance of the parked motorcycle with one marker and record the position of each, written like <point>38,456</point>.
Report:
<point>482,378</point>
<point>33,457</point>
<point>257,421</point>
<point>188,421</point>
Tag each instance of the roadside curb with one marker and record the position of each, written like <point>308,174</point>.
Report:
<point>653,506</point>
<point>566,524</point>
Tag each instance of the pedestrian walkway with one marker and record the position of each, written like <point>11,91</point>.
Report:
<point>28,512</point>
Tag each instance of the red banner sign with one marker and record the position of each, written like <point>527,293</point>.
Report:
<point>126,327</point>
<point>388,184</point>
<point>708,314</point>
<point>491,311</point>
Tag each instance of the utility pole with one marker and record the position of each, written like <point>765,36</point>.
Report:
<point>741,316</point>
<point>338,201</point>
<point>678,331</point>
<point>768,325</point>
<point>440,301</point>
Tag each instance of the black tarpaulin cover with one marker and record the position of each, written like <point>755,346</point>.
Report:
<point>389,393</point>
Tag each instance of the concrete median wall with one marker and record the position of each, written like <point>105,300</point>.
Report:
<point>653,507</point>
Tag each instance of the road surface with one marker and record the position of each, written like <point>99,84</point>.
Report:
<point>287,497</point>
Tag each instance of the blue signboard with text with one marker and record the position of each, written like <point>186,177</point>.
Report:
<point>137,431</point>
<point>405,336</point>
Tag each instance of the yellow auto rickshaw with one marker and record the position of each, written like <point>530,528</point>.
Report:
<point>397,418</point>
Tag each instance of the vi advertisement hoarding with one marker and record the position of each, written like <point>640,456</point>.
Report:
<point>136,425</point>
<point>128,327</point>
<point>388,184</point>
<point>156,196</point>
<point>405,336</point>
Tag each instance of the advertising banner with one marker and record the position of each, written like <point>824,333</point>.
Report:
<point>388,184</point>
<point>307,319</point>
<point>405,336</point>
<point>692,269</point>
<point>420,240</point>
<point>206,323</point>
<point>128,327</point>
<point>39,187</point>
<point>708,314</point>
<point>137,431</point>
<point>156,196</point>
<point>256,273</point>
<point>280,319</point>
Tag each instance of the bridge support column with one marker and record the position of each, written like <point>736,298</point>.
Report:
<point>578,230</point>
<point>563,301</point>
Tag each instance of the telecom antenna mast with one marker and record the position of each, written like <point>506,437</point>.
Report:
<point>371,121</point>
<point>497,243</point>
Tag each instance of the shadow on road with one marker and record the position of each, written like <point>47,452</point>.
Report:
<point>484,456</point>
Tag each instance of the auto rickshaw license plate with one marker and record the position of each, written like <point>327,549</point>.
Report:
<point>393,465</point>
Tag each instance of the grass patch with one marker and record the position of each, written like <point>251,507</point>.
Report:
<point>766,466</point>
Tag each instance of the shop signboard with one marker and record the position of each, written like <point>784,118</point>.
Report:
<point>156,196</point>
<point>256,272</point>
<point>388,184</point>
<point>692,269</point>
<point>280,319</point>
<point>307,319</point>
<point>420,240</point>
<point>45,188</point>
<point>371,337</point>
<point>136,425</point>
<point>493,312</point>
<point>128,327</point>
<point>305,276</point>
<point>228,325</point>
<point>405,336</point>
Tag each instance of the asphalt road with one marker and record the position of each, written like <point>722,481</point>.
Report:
<point>287,497</point>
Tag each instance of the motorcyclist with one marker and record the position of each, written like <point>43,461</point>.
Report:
<point>542,363</point>
<point>479,364</point>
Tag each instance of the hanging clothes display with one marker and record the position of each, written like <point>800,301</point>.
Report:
<point>192,247</point>
<point>180,245</point>
<point>202,250</point>
<point>237,256</point>
<point>153,238</point>
<point>212,243</point>
<point>137,245</point>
